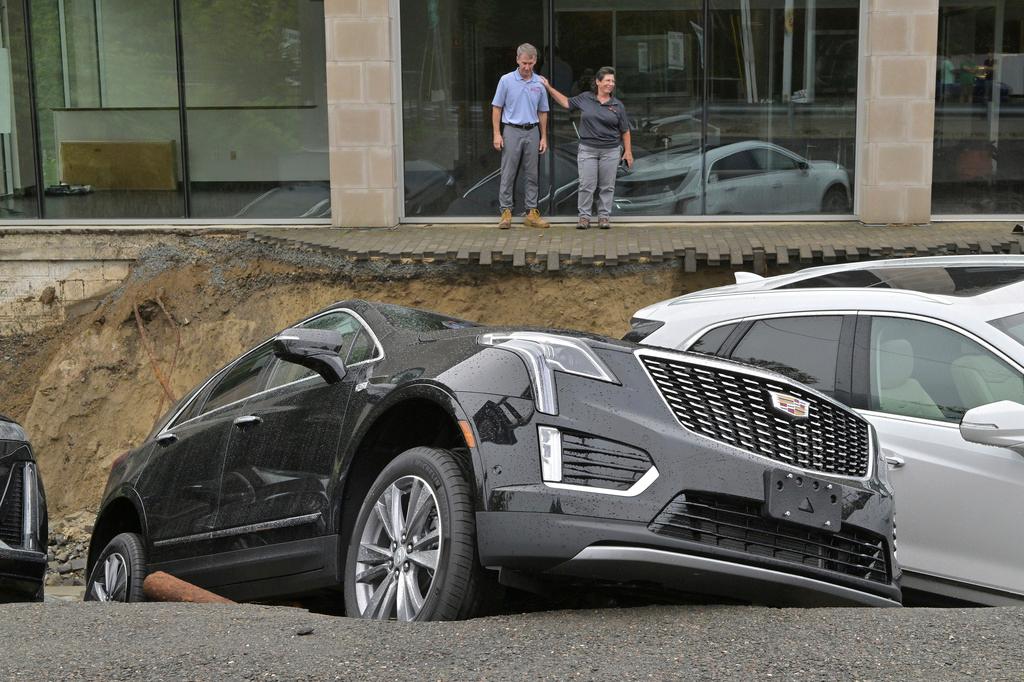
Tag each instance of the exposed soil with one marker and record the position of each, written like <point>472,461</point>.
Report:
<point>87,390</point>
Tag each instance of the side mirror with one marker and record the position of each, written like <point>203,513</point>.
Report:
<point>803,165</point>
<point>1000,424</point>
<point>317,349</point>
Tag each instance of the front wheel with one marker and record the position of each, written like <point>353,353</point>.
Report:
<point>412,555</point>
<point>119,571</point>
<point>835,201</point>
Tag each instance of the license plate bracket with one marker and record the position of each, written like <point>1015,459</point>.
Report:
<point>806,500</point>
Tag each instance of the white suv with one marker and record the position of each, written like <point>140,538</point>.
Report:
<point>931,352</point>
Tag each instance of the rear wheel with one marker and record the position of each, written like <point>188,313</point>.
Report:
<point>835,201</point>
<point>412,555</point>
<point>119,571</point>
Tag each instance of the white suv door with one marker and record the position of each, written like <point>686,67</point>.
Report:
<point>960,506</point>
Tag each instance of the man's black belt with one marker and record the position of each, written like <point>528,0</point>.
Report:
<point>523,126</point>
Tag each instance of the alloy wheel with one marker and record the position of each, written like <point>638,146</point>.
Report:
<point>399,551</point>
<point>110,581</point>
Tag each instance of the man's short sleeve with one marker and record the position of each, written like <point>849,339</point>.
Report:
<point>544,104</point>
<point>499,94</point>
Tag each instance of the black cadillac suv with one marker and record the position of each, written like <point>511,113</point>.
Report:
<point>409,459</point>
<point>23,522</point>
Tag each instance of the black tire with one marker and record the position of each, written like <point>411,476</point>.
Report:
<point>456,585</point>
<point>127,550</point>
<point>835,201</point>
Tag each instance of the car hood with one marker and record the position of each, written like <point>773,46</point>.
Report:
<point>829,167</point>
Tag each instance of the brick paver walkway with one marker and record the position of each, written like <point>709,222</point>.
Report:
<point>749,245</point>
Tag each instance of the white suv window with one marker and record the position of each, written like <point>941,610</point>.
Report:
<point>918,369</point>
<point>803,348</point>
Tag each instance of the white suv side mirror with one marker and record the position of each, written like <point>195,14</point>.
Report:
<point>1000,424</point>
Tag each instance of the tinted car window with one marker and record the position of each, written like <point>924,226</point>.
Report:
<point>241,381</point>
<point>1012,325</point>
<point>362,349</point>
<point>779,161</point>
<point>736,166</point>
<point>711,343</point>
<point>803,348</point>
<point>769,159</point>
<point>191,411</point>
<point>420,320</point>
<point>350,328</point>
<point>918,369</point>
<point>947,281</point>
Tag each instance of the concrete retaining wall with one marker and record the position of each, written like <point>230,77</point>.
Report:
<point>45,278</point>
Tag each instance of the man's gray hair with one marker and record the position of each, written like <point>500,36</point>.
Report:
<point>526,49</point>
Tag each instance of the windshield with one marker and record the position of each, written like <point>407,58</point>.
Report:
<point>1012,326</point>
<point>420,320</point>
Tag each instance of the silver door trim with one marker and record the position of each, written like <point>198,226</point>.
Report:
<point>242,530</point>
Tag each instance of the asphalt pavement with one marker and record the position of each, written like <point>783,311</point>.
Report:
<point>61,640</point>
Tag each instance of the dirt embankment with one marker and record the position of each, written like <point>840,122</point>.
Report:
<point>89,390</point>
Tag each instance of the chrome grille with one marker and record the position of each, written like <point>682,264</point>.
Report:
<point>737,524</point>
<point>735,408</point>
<point>12,491</point>
<point>601,463</point>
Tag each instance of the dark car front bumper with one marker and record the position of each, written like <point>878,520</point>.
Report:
<point>21,574</point>
<point>627,552</point>
<point>699,524</point>
<point>23,525</point>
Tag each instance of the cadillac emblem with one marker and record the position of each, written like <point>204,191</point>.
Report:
<point>790,404</point>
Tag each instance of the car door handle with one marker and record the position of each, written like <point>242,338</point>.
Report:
<point>248,419</point>
<point>894,461</point>
<point>166,439</point>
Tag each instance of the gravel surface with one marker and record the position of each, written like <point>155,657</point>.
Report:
<point>76,641</point>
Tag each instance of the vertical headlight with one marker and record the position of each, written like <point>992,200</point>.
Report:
<point>546,353</point>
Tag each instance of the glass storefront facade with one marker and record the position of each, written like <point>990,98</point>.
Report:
<point>979,109</point>
<point>153,109</point>
<point>736,106</point>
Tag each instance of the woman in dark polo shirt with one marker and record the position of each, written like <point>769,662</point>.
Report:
<point>604,139</point>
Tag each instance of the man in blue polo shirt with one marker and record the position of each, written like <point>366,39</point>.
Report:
<point>519,116</point>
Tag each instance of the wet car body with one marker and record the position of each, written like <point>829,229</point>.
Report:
<point>23,520</point>
<point>571,476</point>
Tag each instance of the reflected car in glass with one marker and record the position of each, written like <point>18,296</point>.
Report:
<point>748,178</point>
<point>410,460</point>
<point>23,521</point>
<point>680,131</point>
<point>741,178</point>
<point>931,352</point>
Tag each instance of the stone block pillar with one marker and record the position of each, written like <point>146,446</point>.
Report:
<point>361,113</point>
<point>894,180</point>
